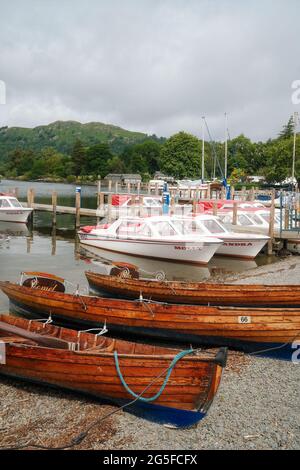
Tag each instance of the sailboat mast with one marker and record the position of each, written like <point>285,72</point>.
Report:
<point>226,148</point>
<point>203,148</point>
<point>294,147</point>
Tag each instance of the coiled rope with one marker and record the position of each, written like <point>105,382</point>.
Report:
<point>177,358</point>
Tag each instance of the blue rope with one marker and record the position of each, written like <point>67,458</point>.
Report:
<point>179,356</point>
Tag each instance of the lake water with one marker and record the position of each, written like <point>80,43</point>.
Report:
<point>40,248</point>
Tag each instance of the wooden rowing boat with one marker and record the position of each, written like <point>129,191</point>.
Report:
<point>195,292</point>
<point>248,329</point>
<point>114,370</point>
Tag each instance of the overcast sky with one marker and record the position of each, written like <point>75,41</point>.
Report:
<point>155,66</point>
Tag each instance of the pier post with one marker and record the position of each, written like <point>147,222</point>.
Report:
<point>141,203</point>
<point>286,218</point>
<point>215,207</point>
<point>172,205</point>
<point>109,186</point>
<point>98,192</point>
<point>195,205</point>
<point>232,192</point>
<point>54,205</point>
<point>156,189</point>
<point>133,206</point>
<point>53,241</point>
<point>149,188</point>
<point>30,197</point>
<point>77,210</point>
<point>208,192</point>
<point>109,207</point>
<point>16,192</point>
<point>234,213</point>
<point>243,194</point>
<point>271,224</point>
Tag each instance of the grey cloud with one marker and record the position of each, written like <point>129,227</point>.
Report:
<point>151,65</point>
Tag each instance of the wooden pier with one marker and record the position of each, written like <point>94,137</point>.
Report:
<point>193,196</point>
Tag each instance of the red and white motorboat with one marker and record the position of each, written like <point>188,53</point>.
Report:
<point>152,237</point>
<point>11,210</point>
<point>237,245</point>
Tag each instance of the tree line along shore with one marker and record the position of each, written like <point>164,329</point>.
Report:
<point>178,156</point>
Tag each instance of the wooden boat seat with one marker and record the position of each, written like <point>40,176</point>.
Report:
<point>99,348</point>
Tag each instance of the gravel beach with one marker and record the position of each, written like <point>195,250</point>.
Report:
<point>257,406</point>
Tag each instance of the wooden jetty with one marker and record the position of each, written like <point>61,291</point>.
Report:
<point>289,230</point>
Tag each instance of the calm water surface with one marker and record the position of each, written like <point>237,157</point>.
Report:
<point>40,248</point>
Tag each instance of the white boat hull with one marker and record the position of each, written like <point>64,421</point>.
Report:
<point>19,215</point>
<point>245,248</point>
<point>181,251</point>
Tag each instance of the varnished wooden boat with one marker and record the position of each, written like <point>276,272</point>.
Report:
<point>199,293</point>
<point>105,368</point>
<point>271,330</point>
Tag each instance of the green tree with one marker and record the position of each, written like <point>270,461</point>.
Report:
<point>20,162</point>
<point>181,155</point>
<point>278,159</point>
<point>115,165</point>
<point>97,158</point>
<point>288,129</point>
<point>241,154</point>
<point>78,157</point>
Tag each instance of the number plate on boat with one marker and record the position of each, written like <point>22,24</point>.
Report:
<point>2,353</point>
<point>244,319</point>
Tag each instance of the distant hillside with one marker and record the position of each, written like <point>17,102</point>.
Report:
<point>62,134</point>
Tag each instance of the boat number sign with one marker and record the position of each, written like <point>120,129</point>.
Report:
<point>2,353</point>
<point>244,319</point>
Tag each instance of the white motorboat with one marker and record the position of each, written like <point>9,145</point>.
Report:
<point>152,237</point>
<point>11,210</point>
<point>257,221</point>
<point>237,245</point>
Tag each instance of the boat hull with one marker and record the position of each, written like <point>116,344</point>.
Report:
<point>247,329</point>
<point>197,293</point>
<point>185,252</point>
<point>184,401</point>
<point>241,248</point>
<point>274,350</point>
<point>15,215</point>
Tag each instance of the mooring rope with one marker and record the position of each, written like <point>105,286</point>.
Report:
<point>177,358</point>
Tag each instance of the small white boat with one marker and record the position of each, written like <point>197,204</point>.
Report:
<point>152,237</point>
<point>11,210</point>
<point>257,221</point>
<point>237,245</point>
